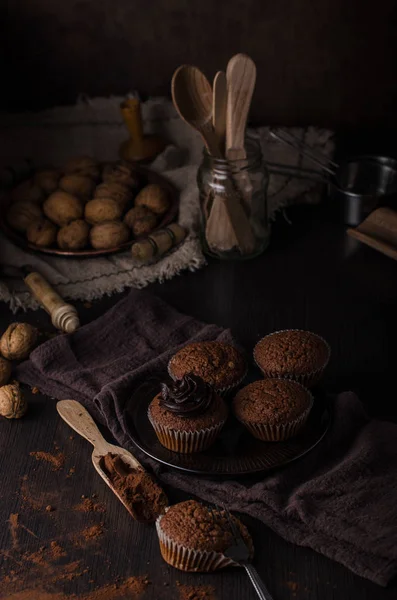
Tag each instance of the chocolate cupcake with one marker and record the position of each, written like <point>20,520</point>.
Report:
<point>220,365</point>
<point>273,409</point>
<point>194,537</point>
<point>187,415</point>
<point>293,354</point>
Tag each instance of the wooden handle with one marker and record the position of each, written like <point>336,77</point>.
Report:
<point>131,111</point>
<point>79,419</point>
<point>64,316</point>
<point>159,242</point>
<point>219,109</point>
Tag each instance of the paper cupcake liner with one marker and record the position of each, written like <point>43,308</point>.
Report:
<point>224,392</point>
<point>278,433</point>
<point>187,559</point>
<point>186,442</point>
<point>307,379</point>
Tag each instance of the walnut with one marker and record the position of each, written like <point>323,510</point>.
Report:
<point>153,197</point>
<point>121,174</point>
<point>47,180</point>
<point>27,191</point>
<point>73,236</point>
<point>117,191</point>
<point>21,214</point>
<point>5,371</point>
<point>100,210</point>
<point>18,341</point>
<point>42,233</point>
<point>13,404</point>
<point>144,225</point>
<point>77,185</point>
<point>136,213</point>
<point>62,208</point>
<point>84,165</point>
<point>109,235</point>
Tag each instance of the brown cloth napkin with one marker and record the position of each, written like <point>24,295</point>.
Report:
<point>340,500</point>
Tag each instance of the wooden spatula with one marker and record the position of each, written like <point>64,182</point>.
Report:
<point>241,78</point>
<point>75,415</point>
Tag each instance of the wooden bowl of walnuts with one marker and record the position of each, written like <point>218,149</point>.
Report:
<point>88,209</point>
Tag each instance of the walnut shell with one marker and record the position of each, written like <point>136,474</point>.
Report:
<point>153,197</point>
<point>18,341</point>
<point>5,371</point>
<point>42,233</point>
<point>73,236</point>
<point>83,165</point>
<point>27,191</point>
<point>47,180</point>
<point>121,174</point>
<point>100,210</point>
<point>62,208</point>
<point>144,225</point>
<point>13,404</point>
<point>77,185</point>
<point>117,191</point>
<point>109,235</point>
<point>136,213</point>
<point>21,214</point>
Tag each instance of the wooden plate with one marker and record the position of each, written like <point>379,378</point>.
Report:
<point>149,176</point>
<point>236,452</point>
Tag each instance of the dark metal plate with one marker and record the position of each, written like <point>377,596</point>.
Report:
<point>235,452</point>
<point>149,176</point>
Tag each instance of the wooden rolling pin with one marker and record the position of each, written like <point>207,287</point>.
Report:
<point>63,316</point>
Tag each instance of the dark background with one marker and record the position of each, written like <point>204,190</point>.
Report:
<point>324,62</point>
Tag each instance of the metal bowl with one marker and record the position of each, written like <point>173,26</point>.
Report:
<point>362,183</point>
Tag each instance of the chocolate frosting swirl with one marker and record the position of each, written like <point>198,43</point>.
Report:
<point>187,397</point>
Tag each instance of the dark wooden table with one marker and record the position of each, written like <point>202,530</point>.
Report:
<point>313,276</point>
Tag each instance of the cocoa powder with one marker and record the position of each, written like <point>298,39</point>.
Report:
<point>144,497</point>
<point>56,460</point>
<point>89,505</point>
<point>199,592</point>
<point>92,532</point>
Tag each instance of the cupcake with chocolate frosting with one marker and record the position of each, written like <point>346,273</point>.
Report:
<point>187,415</point>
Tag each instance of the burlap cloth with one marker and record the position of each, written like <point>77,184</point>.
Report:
<point>95,127</point>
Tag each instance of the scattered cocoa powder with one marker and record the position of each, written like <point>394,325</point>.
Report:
<point>56,460</point>
<point>92,532</point>
<point>56,551</point>
<point>144,497</point>
<point>35,497</point>
<point>13,521</point>
<point>199,592</point>
<point>131,588</point>
<point>89,505</point>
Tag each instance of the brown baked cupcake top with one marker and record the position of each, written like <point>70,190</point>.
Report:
<point>215,413</point>
<point>273,401</point>
<point>220,365</point>
<point>291,351</point>
<point>195,526</point>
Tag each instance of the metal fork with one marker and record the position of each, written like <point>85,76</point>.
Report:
<point>239,552</point>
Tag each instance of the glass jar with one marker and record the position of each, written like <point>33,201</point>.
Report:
<point>233,203</point>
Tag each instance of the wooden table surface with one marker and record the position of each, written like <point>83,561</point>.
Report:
<point>312,276</point>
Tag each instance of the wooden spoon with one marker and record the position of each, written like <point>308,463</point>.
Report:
<point>75,415</point>
<point>219,108</point>
<point>192,98</point>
